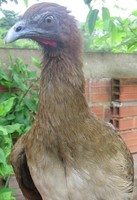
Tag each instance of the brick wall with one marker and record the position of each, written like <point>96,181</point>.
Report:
<point>98,96</point>
<point>115,101</point>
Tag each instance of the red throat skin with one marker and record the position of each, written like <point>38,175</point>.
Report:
<point>51,43</point>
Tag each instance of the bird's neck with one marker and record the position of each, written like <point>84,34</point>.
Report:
<point>62,105</point>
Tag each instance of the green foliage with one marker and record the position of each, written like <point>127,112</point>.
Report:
<point>6,194</point>
<point>27,44</point>
<point>6,106</point>
<point>17,112</point>
<point>108,33</point>
<point>87,2</point>
<point>91,19</point>
<point>26,2</point>
<point>9,18</point>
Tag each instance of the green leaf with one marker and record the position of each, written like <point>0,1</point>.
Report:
<point>134,13</point>
<point>23,117</point>
<point>6,145</point>
<point>106,25</point>
<point>14,127</point>
<point>3,130</point>
<point>6,194</point>
<point>36,62</point>
<point>114,34</point>
<point>7,84</point>
<point>3,121</point>
<point>5,96</point>
<point>31,104</point>
<point>26,3</point>
<point>91,19</point>
<point>105,13</point>
<point>2,157</point>
<point>6,106</point>
<point>5,170</point>
<point>3,75</point>
<point>87,2</point>
<point>106,18</point>
<point>27,129</point>
<point>10,117</point>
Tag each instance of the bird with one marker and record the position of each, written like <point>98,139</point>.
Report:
<point>68,154</point>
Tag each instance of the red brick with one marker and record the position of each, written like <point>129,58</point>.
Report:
<point>124,123</point>
<point>100,90</point>
<point>124,97</point>
<point>98,111</point>
<point>6,89</point>
<point>3,89</point>
<point>124,81</point>
<point>128,89</point>
<point>100,97</point>
<point>124,89</point>
<point>124,111</point>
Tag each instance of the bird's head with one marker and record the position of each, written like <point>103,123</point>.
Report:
<point>49,24</point>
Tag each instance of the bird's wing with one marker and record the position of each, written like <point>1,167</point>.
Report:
<point>19,163</point>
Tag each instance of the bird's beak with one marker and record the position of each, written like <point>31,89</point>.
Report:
<point>16,32</point>
<point>21,30</point>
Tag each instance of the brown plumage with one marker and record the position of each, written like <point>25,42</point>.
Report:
<point>68,154</point>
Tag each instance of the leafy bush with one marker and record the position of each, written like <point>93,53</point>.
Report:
<point>106,33</point>
<point>18,107</point>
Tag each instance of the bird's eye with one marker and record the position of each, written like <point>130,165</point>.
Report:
<point>49,19</point>
<point>18,28</point>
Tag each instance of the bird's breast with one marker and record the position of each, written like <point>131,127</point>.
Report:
<point>55,181</point>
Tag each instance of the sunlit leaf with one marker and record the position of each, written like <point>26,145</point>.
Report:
<point>26,3</point>
<point>6,106</point>
<point>134,13</point>
<point>14,127</point>
<point>36,62</point>
<point>31,104</point>
<point>3,130</point>
<point>106,18</point>
<point>105,13</point>
<point>6,169</point>
<point>6,194</point>
<point>2,157</point>
<point>113,34</point>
